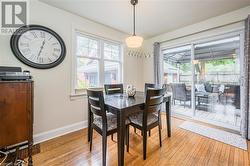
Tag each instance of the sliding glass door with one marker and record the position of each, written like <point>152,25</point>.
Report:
<point>217,83</point>
<point>178,77</point>
<point>204,80</point>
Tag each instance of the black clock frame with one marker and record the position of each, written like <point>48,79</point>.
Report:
<point>15,49</point>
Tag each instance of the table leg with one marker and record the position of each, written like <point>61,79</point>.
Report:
<point>168,117</point>
<point>120,137</point>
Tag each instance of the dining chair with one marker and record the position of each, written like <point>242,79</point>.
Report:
<point>150,116</point>
<point>152,86</point>
<point>103,122</point>
<point>113,88</point>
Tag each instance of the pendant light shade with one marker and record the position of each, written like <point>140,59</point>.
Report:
<point>134,41</point>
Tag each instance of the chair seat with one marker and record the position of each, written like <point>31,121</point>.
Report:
<point>111,121</point>
<point>137,119</point>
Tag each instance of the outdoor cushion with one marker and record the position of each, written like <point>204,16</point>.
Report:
<point>222,88</point>
<point>208,87</point>
<point>200,87</point>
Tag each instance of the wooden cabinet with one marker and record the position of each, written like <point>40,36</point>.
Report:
<point>16,114</point>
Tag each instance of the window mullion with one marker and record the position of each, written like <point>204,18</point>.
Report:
<point>101,66</point>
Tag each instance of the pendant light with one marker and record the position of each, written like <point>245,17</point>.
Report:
<point>134,41</point>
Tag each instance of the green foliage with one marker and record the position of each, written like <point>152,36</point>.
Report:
<point>185,67</point>
<point>222,65</point>
<point>221,62</point>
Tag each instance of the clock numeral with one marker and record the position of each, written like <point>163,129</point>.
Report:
<point>24,44</point>
<point>26,50</point>
<point>32,57</point>
<point>40,60</point>
<point>34,34</point>
<point>49,60</point>
<point>57,50</point>
<point>42,34</point>
<point>26,37</point>
<point>56,56</point>
<point>54,44</point>
<point>50,38</point>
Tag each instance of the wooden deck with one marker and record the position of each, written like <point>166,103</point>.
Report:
<point>222,115</point>
<point>183,148</point>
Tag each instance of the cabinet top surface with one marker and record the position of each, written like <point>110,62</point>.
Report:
<point>21,81</point>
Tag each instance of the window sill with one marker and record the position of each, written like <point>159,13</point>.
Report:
<point>82,93</point>
<point>78,96</point>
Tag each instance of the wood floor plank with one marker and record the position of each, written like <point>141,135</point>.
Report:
<point>183,148</point>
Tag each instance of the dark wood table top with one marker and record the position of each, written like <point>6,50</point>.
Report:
<point>122,101</point>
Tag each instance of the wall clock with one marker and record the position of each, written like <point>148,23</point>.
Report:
<point>38,46</point>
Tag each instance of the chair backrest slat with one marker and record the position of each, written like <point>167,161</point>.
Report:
<point>113,88</point>
<point>153,86</point>
<point>96,110</point>
<point>154,99</point>
<point>96,102</point>
<point>149,86</point>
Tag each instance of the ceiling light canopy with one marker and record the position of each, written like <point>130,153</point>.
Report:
<point>134,41</point>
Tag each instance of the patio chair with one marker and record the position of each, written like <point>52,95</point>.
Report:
<point>180,93</point>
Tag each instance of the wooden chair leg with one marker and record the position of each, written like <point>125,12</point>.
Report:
<point>127,137</point>
<point>91,138</point>
<point>144,144</point>
<point>149,133</point>
<point>159,127</point>
<point>104,149</point>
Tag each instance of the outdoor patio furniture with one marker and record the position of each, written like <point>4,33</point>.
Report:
<point>180,93</point>
<point>232,95</point>
<point>205,101</point>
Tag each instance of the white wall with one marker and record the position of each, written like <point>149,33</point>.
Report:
<point>53,107</point>
<point>218,21</point>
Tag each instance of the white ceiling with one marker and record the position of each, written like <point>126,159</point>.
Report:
<point>153,16</point>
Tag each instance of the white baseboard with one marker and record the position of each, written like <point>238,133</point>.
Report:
<point>41,137</point>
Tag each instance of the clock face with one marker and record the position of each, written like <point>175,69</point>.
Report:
<point>38,47</point>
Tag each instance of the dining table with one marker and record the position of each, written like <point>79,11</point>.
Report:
<point>124,106</point>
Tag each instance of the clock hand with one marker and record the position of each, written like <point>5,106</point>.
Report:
<point>41,48</point>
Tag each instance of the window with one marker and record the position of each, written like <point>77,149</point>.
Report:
<point>98,62</point>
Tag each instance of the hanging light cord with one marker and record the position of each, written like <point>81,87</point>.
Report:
<point>134,18</point>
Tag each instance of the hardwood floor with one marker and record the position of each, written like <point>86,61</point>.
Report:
<point>183,148</point>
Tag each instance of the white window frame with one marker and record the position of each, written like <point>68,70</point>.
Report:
<point>100,58</point>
